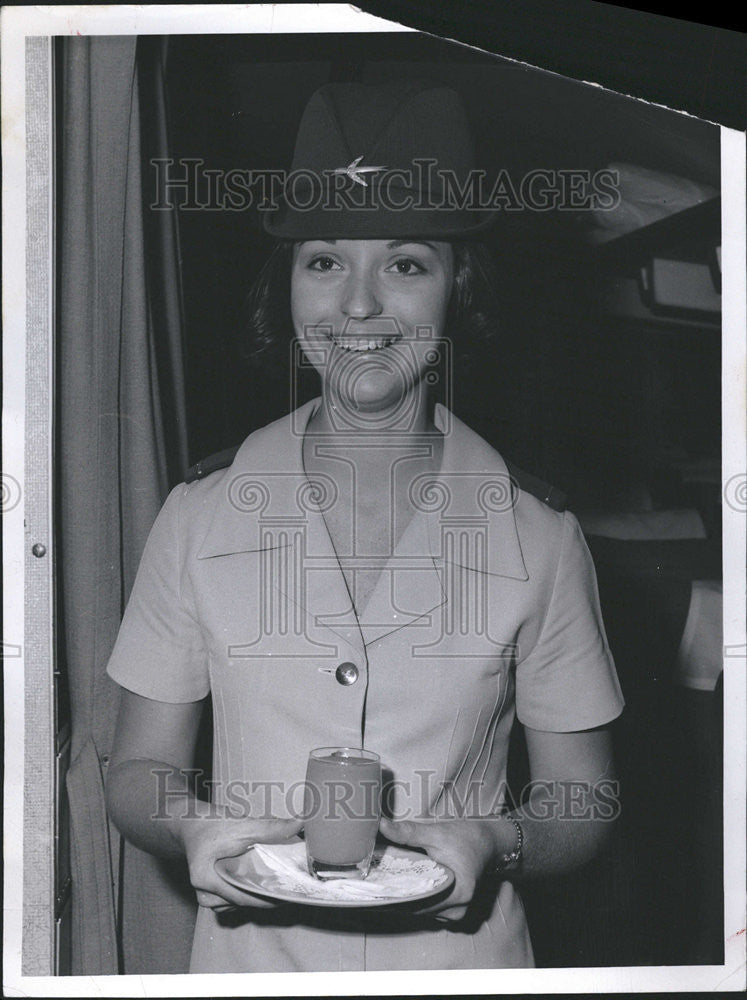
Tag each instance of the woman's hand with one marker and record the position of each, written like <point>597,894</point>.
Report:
<point>206,839</point>
<point>470,847</point>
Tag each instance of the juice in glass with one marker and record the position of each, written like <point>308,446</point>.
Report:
<point>342,809</point>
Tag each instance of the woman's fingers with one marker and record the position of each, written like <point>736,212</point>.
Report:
<point>211,901</point>
<point>410,833</point>
<point>231,839</point>
<point>237,898</point>
<point>242,834</point>
<point>263,831</point>
<point>222,895</point>
<point>451,915</point>
<point>273,831</point>
<point>441,846</point>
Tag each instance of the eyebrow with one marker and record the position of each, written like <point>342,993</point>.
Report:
<point>403,243</point>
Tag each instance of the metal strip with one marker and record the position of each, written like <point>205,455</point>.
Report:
<point>39,774</point>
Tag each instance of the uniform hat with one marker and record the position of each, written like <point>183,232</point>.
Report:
<point>380,160</point>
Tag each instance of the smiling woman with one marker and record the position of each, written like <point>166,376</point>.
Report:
<point>367,574</point>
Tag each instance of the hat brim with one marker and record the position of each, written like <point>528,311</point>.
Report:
<point>325,224</point>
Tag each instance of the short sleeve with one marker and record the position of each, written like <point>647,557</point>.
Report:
<point>160,652</point>
<point>568,681</point>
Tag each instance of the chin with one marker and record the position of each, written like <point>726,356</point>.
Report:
<point>374,382</point>
<point>373,393</point>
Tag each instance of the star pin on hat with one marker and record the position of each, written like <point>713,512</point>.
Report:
<point>378,161</point>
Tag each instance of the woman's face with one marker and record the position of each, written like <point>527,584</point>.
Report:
<point>369,314</point>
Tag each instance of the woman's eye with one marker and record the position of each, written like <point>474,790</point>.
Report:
<point>406,266</point>
<point>323,264</point>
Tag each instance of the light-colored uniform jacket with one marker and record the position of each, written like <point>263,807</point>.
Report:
<point>487,608</point>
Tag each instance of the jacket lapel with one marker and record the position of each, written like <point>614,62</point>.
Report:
<point>268,504</point>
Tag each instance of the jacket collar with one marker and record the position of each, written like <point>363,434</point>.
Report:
<point>263,487</point>
<point>472,522</point>
<point>473,495</point>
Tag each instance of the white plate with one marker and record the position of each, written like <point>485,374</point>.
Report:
<point>250,872</point>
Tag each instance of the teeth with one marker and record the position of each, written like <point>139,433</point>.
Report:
<point>363,345</point>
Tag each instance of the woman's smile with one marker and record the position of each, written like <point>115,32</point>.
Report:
<point>373,334</point>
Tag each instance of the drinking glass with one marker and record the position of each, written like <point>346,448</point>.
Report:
<point>342,809</point>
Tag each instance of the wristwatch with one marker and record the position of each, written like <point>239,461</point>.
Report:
<point>513,857</point>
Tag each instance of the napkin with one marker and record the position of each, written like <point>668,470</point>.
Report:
<point>392,876</point>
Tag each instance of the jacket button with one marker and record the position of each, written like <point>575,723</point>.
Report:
<point>346,673</point>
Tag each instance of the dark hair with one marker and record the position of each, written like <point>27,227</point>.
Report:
<point>471,318</point>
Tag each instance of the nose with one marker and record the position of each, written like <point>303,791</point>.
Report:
<point>360,299</point>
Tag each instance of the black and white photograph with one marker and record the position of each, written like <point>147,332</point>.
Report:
<point>374,495</point>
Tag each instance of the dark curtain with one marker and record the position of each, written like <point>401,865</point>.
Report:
<point>120,372</point>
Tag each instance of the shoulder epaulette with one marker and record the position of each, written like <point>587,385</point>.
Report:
<point>220,460</point>
<point>538,488</point>
<point>524,480</point>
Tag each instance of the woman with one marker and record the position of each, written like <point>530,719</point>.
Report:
<point>365,573</point>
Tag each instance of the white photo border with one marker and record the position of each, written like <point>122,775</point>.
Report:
<point>28,358</point>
